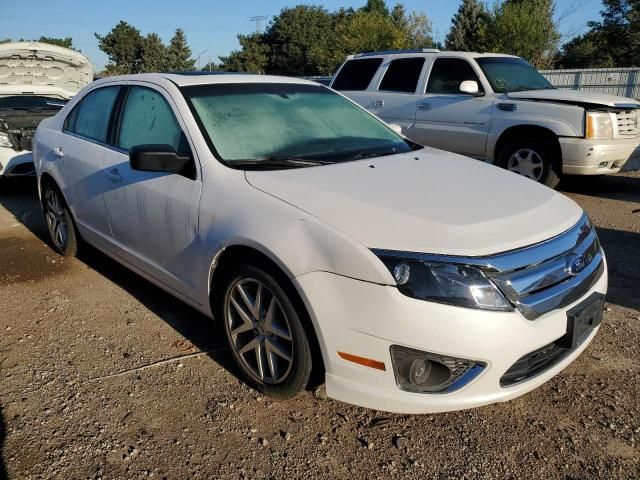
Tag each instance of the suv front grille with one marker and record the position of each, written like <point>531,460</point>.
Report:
<point>628,123</point>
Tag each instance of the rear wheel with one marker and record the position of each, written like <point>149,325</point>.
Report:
<point>60,224</point>
<point>265,333</point>
<point>533,159</point>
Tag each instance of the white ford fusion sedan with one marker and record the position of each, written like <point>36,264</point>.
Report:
<point>413,279</point>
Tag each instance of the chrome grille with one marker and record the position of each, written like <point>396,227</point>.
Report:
<point>560,279</point>
<point>628,123</point>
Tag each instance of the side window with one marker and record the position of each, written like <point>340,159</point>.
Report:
<point>148,119</point>
<point>357,74</point>
<point>448,73</point>
<point>90,118</point>
<point>402,75</point>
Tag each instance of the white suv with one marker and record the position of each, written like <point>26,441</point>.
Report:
<point>415,280</point>
<point>496,108</point>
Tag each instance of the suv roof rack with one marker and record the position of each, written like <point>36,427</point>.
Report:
<point>389,52</point>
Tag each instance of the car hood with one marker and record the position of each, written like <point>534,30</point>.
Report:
<point>35,68</point>
<point>428,201</point>
<point>576,97</point>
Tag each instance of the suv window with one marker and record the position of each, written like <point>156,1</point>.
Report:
<point>448,73</point>
<point>90,118</point>
<point>402,75</point>
<point>148,119</point>
<point>357,74</point>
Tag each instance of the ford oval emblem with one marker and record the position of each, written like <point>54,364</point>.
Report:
<point>575,263</point>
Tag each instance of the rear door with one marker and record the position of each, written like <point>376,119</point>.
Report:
<point>79,151</point>
<point>396,96</point>
<point>153,216</point>
<point>355,76</point>
<point>449,119</point>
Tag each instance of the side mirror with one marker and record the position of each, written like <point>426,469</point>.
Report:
<point>469,87</point>
<point>396,128</point>
<point>156,158</point>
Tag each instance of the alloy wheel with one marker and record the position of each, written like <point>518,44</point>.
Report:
<point>526,162</point>
<point>56,219</point>
<point>259,330</point>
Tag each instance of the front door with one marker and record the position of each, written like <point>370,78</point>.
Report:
<point>153,216</point>
<point>449,119</point>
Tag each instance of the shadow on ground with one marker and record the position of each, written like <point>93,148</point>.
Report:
<point>20,199</point>
<point>624,186</point>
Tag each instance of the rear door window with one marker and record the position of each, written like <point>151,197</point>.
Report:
<point>357,74</point>
<point>90,118</point>
<point>448,73</point>
<point>402,75</point>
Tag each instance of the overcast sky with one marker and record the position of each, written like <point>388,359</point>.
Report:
<point>211,26</point>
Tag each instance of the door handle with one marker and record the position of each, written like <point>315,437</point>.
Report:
<point>114,175</point>
<point>378,104</point>
<point>424,105</point>
<point>58,152</point>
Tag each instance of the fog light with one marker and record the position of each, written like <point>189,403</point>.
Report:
<point>424,372</point>
<point>603,164</point>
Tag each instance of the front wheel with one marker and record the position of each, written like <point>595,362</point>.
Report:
<point>60,224</point>
<point>533,159</point>
<point>265,333</point>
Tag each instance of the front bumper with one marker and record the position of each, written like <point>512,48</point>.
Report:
<point>598,157</point>
<point>365,319</point>
<point>16,164</point>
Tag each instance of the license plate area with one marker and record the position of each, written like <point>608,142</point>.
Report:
<point>582,319</point>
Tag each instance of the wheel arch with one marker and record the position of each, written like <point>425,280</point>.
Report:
<point>524,131</point>
<point>238,253</point>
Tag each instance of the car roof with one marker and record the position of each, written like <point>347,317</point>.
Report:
<point>183,79</point>
<point>425,53</point>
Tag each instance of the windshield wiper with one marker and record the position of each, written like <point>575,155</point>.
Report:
<point>371,154</point>
<point>277,162</point>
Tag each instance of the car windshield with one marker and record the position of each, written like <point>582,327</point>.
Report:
<point>271,124</point>
<point>507,74</point>
<point>31,102</point>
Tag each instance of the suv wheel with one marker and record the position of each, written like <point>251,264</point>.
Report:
<point>265,333</point>
<point>533,159</point>
<point>60,224</point>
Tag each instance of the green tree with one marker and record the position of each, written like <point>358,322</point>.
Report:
<point>252,57</point>
<point>525,28</point>
<point>178,56</point>
<point>66,42</point>
<point>153,54</point>
<point>123,46</point>
<point>376,6</point>
<point>468,28</point>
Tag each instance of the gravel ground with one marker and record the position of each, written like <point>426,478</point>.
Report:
<point>102,375</point>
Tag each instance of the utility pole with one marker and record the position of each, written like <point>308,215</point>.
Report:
<point>258,19</point>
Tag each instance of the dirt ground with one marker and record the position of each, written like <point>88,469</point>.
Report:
<point>102,375</point>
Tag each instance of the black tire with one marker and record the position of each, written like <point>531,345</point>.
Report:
<point>549,171</point>
<point>288,381</point>
<point>67,244</point>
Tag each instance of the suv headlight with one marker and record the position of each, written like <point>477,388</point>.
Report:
<point>451,283</point>
<point>599,126</point>
<point>4,140</point>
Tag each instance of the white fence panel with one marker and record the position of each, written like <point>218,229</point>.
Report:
<point>624,82</point>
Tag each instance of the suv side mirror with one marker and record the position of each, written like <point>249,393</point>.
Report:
<point>156,158</point>
<point>469,87</point>
<point>396,128</point>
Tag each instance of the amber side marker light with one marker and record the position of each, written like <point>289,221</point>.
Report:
<point>367,362</point>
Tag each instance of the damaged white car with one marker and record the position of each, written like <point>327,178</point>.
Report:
<point>36,81</point>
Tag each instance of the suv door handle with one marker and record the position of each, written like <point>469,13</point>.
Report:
<point>114,175</point>
<point>378,104</point>
<point>424,105</point>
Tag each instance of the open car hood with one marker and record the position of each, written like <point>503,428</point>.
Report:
<point>576,97</point>
<point>34,68</point>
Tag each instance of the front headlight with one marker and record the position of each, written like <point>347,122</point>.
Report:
<point>599,126</point>
<point>454,284</point>
<point>4,140</point>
